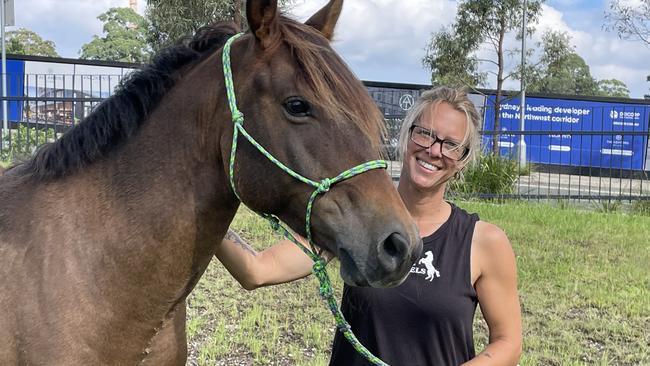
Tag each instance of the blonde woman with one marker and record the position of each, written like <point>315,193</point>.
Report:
<point>427,320</point>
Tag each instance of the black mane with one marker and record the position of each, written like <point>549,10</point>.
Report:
<point>120,116</point>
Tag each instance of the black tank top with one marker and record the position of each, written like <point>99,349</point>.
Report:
<point>425,321</point>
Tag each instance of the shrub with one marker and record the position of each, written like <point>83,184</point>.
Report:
<point>21,143</point>
<point>492,174</point>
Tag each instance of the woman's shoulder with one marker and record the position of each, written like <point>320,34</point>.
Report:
<point>489,233</point>
<point>491,243</point>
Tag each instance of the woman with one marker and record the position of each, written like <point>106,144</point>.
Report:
<point>427,320</point>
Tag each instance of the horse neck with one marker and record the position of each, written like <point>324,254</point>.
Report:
<point>165,194</point>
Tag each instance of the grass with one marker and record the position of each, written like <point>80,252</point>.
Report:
<point>584,284</point>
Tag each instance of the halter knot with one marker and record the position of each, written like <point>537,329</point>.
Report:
<point>238,117</point>
<point>324,185</point>
<point>318,267</point>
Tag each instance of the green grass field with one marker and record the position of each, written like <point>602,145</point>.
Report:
<point>584,284</point>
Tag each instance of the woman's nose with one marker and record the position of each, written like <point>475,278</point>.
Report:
<point>435,149</point>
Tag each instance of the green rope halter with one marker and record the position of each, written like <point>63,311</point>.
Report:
<point>323,186</point>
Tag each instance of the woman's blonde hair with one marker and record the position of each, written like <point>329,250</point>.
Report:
<point>457,99</point>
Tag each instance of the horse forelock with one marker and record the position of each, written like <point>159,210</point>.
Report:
<point>332,86</point>
<point>117,118</point>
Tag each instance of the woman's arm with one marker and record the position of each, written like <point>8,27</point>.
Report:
<point>496,288</point>
<point>280,263</point>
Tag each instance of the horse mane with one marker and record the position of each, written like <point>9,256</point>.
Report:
<point>330,85</point>
<point>117,118</point>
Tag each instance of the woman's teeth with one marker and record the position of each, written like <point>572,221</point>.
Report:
<point>427,165</point>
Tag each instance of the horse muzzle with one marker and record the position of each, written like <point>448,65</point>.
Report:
<point>387,264</point>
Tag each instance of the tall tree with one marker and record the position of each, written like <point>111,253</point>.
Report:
<point>450,59</point>
<point>560,70</point>
<point>125,38</point>
<point>613,88</point>
<point>171,20</point>
<point>26,42</point>
<point>483,23</point>
<point>630,19</point>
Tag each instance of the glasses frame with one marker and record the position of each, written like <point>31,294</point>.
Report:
<point>442,142</point>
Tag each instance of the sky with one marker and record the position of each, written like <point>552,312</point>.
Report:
<point>384,40</point>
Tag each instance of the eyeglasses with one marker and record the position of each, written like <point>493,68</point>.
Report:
<point>426,138</point>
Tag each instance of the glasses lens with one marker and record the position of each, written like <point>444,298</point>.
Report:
<point>421,136</point>
<point>453,150</point>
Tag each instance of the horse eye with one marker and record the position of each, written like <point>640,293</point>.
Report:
<point>297,107</point>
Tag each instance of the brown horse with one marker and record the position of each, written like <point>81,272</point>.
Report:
<point>104,232</point>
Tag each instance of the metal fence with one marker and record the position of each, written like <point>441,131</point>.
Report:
<point>586,160</point>
<point>579,149</point>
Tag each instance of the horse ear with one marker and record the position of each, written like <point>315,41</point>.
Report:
<point>262,16</point>
<point>325,19</point>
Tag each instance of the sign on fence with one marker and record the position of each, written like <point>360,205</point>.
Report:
<point>580,133</point>
<point>15,88</point>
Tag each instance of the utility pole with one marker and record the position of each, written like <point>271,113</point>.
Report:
<point>522,107</point>
<point>4,72</point>
<point>6,18</point>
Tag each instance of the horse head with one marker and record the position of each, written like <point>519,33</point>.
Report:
<point>304,105</point>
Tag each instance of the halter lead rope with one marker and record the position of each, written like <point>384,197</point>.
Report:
<point>325,287</point>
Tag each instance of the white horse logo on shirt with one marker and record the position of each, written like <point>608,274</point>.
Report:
<point>432,272</point>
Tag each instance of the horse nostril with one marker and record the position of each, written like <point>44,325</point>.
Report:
<point>390,247</point>
<point>393,249</point>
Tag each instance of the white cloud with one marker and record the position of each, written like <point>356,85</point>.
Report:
<point>384,40</point>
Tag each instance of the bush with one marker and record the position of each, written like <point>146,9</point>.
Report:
<point>22,143</point>
<point>492,174</point>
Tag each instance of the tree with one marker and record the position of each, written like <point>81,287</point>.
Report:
<point>171,20</point>
<point>613,88</point>
<point>451,62</point>
<point>26,42</point>
<point>125,38</point>
<point>482,23</point>
<point>560,70</point>
<point>631,20</point>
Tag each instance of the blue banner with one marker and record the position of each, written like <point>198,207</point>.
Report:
<point>608,144</point>
<point>15,88</point>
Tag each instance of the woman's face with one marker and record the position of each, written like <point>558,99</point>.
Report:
<point>427,167</point>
